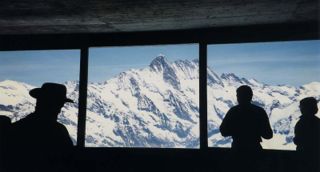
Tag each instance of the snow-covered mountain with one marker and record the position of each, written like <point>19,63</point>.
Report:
<point>158,106</point>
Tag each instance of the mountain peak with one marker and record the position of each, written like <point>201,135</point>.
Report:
<point>9,82</point>
<point>161,55</point>
<point>231,77</point>
<point>13,84</point>
<point>159,62</point>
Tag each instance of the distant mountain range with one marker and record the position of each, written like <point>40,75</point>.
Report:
<point>158,106</point>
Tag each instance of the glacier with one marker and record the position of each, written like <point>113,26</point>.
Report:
<point>158,106</point>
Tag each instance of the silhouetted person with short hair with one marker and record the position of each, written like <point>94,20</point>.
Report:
<point>307,135</point>
<point>5,126</point>
<point>39,141</point>
<point>246,124</point>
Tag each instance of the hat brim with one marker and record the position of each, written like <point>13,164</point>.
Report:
<point>68,100</point>
<point>36,93</point>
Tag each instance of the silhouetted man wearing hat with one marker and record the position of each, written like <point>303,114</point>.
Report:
<point>307,135</point>
<point>246,124</point>
<point>40,142</point>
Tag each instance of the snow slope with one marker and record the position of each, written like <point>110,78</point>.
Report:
<point>158,106</point>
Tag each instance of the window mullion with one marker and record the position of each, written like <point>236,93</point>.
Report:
<point>83,84</point>
<point>203,95</point>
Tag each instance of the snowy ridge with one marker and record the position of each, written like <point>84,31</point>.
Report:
<point>158,106</point>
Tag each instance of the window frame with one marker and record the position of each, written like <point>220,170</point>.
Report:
<point>202,37</point>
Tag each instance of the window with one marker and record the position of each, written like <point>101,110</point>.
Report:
<point>148,96</point>
<point>21,71</point>
<point>280,74</point>
<point>143,96</point>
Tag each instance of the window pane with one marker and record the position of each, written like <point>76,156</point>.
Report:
<point>21,71</point>
<point>280,75</point>
<point>143,96</point>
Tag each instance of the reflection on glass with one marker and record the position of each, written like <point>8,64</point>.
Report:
<point>143,96</point>
<point>280,74</point>
<point>21,71</point>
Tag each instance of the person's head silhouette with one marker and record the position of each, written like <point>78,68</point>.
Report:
<point>50,99</point>
<point>308,106</point>
<point>244,95</point>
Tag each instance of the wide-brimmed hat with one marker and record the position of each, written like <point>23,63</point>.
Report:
<point>51,91</point>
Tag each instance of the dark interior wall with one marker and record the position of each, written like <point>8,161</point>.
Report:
<point>217,159</point>
<point>101,16</point>
<point>239,34</point>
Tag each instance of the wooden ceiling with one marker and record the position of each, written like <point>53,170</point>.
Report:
<point>114,16</point>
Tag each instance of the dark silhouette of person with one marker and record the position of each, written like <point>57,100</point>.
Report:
<point>38,141</point>
<point>246,123</point>
<point>5,125</point>
<point>307,135</point>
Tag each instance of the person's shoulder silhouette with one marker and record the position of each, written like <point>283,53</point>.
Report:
<point>246,123</point>
<point>307,129</point>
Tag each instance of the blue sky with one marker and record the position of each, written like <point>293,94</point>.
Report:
<point>293,63</point>
<point>105,63</point>
<point>37,67</point>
